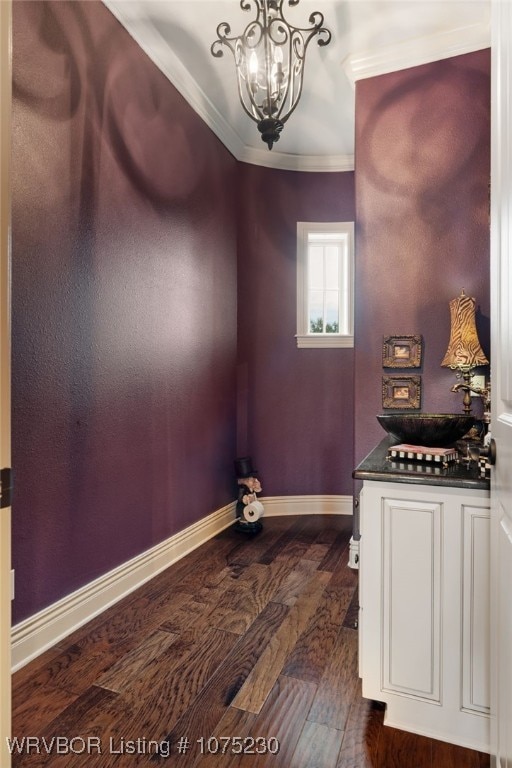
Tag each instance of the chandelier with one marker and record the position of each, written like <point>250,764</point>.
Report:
<point>269,59</point>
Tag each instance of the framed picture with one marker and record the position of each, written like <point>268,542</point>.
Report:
<point>401,392</point>
<point>401,351</point>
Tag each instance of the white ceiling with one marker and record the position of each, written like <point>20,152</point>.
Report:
<point>369,37</point>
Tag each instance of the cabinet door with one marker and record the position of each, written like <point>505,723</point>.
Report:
<point>411,610</point>
<point>400,600</point>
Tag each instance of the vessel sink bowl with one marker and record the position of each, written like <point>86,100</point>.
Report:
<point>430,429</point>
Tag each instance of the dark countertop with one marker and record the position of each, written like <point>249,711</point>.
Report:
<point>458,475</point>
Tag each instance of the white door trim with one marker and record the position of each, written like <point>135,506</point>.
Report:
<point>5,374</point>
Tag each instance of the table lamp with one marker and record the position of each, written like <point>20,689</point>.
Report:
<point>464,352</point>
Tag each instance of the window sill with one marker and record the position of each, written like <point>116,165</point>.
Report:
<point>321,341</point>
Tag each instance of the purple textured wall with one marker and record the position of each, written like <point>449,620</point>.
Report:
<point>422,203</point>
<point>124,303</point>
<point>295,406</point>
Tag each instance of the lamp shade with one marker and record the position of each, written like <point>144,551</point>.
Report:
<point>464,350</point>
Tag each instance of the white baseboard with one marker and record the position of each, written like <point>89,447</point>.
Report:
<point>41,631</point>
<point>277,506</point>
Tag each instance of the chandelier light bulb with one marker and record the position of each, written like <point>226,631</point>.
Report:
<point>253,64</point>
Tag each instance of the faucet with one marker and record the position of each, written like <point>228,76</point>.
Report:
<point>483,392</point>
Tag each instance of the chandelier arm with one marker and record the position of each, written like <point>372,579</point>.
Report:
<point>245,5</point>
<point>284,98</point>
<point>223,38</point>
<point>268,59</point>
<point>279,30</point>
<point>246,92</point>
<point>316,19</point>
<point>280,36</point>
<point>244,89</point>
<point>324,34</point>
<point>253,30</point>
<point>299,42</point>
<point>254,111</point>
<point>284,89</point>
<point>313,31</point>
<point>294,100</point>
<point>254,117</point>
<point>296,53</point>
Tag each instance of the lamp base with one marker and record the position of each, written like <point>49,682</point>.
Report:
<point>466,401</point>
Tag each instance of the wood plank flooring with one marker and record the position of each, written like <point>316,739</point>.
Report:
<point>248,638</point>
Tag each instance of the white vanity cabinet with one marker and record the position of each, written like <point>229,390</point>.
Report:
<point>424,608</point>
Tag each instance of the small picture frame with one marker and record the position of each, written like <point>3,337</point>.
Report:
<point>401,392</point>
<point>401,351</point>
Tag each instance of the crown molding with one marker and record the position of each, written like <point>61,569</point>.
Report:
<point>155,47</point>
<point>423,50</point>
<point>287,162</point>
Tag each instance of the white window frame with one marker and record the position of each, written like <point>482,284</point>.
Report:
<point>304,336</point>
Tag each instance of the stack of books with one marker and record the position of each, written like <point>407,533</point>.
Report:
<point>443,456</point>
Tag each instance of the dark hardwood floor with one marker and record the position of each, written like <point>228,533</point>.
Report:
<point>243,644</point>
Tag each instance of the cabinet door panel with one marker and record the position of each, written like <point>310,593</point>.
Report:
<point>475,609</point>
<point>411,578</point>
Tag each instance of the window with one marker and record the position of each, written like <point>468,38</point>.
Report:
<point>325,280</point>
